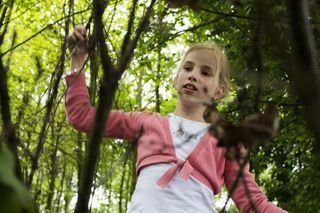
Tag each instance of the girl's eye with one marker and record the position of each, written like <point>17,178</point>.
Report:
<point>206,73</point>
<point>187,68</point>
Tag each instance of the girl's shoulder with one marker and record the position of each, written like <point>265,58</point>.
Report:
<point>152,115</point>
<point>140,115</point>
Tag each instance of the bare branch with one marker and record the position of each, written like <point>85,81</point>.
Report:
<point>52,96</point>
<point>107,91</point>
<point>126,38</point>
<point>125,57</point>
<point>305,66</point>
<point>40,31</point>
<point>23,12</point>
<point>6,15</point>
<point>256,59</point>
<point>232,15</point>
<point>8,128</point>
<point>191,29</point>
<point>237,179</point>
<point>92,154</point>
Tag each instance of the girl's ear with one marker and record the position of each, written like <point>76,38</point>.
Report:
<point>219,92</point>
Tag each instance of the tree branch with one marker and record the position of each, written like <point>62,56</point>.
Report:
<point>305,67</point>
<point>126,57</point>
<point>127,36</point>
<point>40,31</point>
<point>8,128</point>
<point>104,106</point>
<point>107,91</point>
<point>50,102</point>
<point>195,27</point>
<point>232,15</point>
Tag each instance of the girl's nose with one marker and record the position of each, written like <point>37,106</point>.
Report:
<point>192,78</point>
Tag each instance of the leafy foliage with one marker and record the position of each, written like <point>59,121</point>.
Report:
<point>14,195</point>
<point>286,168</point>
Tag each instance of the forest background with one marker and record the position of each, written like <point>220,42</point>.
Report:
<point>272,49</point>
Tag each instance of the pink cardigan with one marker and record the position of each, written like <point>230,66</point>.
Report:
<point>206,163</point>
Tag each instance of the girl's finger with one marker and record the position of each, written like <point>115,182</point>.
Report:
<point>78,35</point>
<point>81,29</point>
<point>72,38</point>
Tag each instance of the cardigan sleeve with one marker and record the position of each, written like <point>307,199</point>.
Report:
<point>239,195</point>
<point>81,114</point>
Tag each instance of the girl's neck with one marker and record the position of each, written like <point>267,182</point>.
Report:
<point>191,112</point>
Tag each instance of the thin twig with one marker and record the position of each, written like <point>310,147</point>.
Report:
<point>132,144</point>
<point>43,29</point>
<point>22,13</point>
<point>50,101</point>
<point>232,15</point>
<point>237,179</point>
<point>127,55</point>
<point>193,28</point>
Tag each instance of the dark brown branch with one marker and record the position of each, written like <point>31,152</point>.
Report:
<point>157,76</point>
<point>237,179</point>
<point>107,91</point>
<point>6,15</point>
<point>256,59</point>
<point>305,67</point>
<point>112,16</point>
<point>127,36</point>
<point>8,128</point>
<point>104,105</point>
<point>248,193</point>
<point>125,57</point>
<point>193,28</point>
<point>94,67</point>
<point>50,102</point>
<point>232,15</point>
<point>71,6</point>
<point>3,15</point>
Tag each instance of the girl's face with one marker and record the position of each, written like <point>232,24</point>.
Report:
<point>198,80</point>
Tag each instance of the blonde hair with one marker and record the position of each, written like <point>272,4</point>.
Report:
<point>222,63</point>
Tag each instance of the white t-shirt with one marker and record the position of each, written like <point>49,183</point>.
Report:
<point>179,196</point>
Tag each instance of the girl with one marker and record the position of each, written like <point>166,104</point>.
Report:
<point>180,168</point>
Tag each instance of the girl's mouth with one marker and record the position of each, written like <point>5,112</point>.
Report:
<point>190,87</point>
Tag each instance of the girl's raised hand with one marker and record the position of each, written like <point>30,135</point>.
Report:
<point>78,45</point>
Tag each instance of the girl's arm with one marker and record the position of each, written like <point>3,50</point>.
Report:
<point>240,196</point>
<point>79,110</point>
<point>81,114</point>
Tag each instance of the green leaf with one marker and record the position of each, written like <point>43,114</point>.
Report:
<point>14,197</point>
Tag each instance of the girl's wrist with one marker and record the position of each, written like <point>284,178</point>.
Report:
<point>77,63</point>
